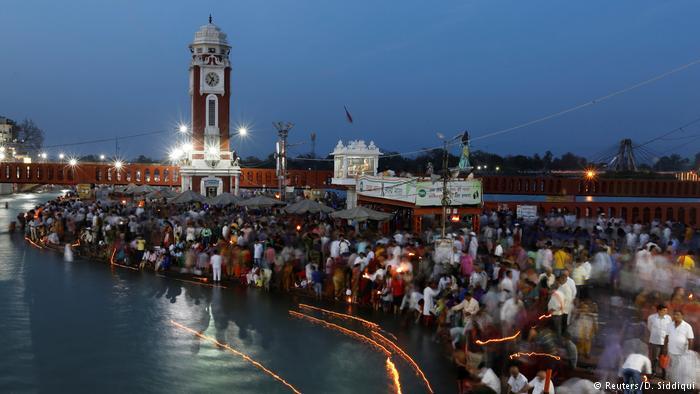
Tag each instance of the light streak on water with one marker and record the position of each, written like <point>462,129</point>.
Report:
<point>394,373</point>
<point>495,340</point>
<point>236,352</point>
<point>34,243</point>
<point>534,354</point>
<point>381,338</point>
<point>366,323</point>
<point>343,330</point>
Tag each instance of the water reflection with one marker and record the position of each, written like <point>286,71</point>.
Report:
<point>68,326</point>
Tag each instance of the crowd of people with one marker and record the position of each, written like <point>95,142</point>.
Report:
<point>521,305</point>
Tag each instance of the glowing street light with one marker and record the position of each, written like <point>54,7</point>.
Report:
<point>43,155</point>
<point>73,162</point>
<point>590,174</point>
<point>176,154</point>
<point>242,131</point>
<point>118,164</point>
<point>102,157</point>
<point>183,128</point>
<point>61,156</point>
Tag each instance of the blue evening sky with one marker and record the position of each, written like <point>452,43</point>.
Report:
<point>405,69</point>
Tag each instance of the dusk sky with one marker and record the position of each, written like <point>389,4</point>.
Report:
<point>405,70</point>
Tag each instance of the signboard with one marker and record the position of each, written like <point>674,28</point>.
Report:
<point>84,191</point>
<point>421,193</point>
<point>211,182</point>
<point>464,192</point>
<point>526,211</point>
<point>401,189</point>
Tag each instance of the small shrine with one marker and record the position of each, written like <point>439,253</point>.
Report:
<point>352,161</point>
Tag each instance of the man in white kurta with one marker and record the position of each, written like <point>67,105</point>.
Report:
<point>680,340</point>
<point>657,324</point>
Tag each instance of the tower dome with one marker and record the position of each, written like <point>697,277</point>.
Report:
<point>210,34</point>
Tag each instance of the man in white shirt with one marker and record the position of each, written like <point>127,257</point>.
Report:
<point>216,266</point>
<point>335,249</point>
<point>679,340</point>
<point>429,294</point>
<point>632,369</point>
<point>445,282</point>
<point>478,277</point>
<point>571,286</point>
<point>568,300</point>
<point>507,284</point>
<point>344,246</point>
<point>658,324</point>
<point>555,307</point>
<point>469,307</point>
<point>498,251</point>
<point>517,382</point>
<point>538,382</point>
<point>547,256</point>
<point>257,252</point>
<point>549,275</point>
<point>581,274</point>
<point>362,260</point>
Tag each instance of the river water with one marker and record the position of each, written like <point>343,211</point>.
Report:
<point>83,327</point>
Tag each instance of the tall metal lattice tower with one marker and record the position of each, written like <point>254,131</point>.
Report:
<point>624,160</point>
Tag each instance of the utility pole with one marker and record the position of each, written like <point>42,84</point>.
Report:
<point>281,154</point>
<point>445,191</point>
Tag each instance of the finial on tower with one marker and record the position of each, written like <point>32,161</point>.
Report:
<point>210,18</point>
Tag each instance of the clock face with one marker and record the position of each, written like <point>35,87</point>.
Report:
<point>212,79</point>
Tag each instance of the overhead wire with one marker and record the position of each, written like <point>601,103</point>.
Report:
<point>477,138</point>
<point>590,102</point>
<point>97,141</point>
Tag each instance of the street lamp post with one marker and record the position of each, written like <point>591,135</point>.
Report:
<point>446,201</point>
<point>281,153</point>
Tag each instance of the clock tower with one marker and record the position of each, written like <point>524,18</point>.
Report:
<point>210,166</point>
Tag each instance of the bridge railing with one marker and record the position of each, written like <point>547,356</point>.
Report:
<point>554,186</point>
<point>141,173</point>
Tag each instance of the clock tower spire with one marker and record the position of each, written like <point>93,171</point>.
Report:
<point>209,166</point>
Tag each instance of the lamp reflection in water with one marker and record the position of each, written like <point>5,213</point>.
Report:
<point>238,353</point>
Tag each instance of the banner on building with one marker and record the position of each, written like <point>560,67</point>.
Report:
<point>401,189</point>
<point>421,193</point>
<point>463,192</point>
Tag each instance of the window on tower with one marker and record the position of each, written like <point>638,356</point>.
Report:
<point>199,50</point>
<point>211,50</point>
<point>212,113</point>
